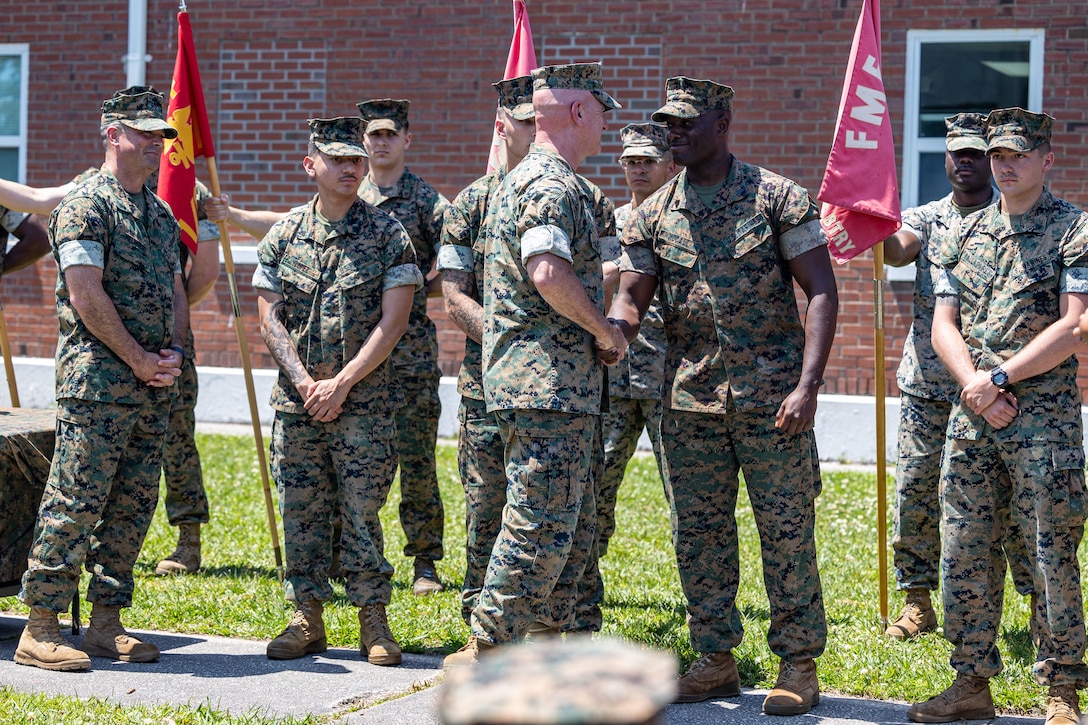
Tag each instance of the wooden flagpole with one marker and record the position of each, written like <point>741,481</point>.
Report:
<point>881,463</point>
<point>243,347</point>
<point>9,364</point>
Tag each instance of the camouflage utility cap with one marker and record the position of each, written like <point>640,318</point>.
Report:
<point>384,113</point>
<point>341,136</point>
<point>580,680</point>
<point>691,98</point>
<point>647,140</point>
<point>516,96</point>
<point>965,131</point>
<point>1017,129</point>
<point>575,77</point>
<point>138,107</point>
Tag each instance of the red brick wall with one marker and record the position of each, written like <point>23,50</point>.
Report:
<point>268,66</point>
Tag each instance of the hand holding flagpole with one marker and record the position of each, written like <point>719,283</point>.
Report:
<point>177,182</point>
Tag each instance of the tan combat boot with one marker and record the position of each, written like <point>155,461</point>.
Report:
<point>712,675</point>
<point>42,644</point>
<point>1062,705</point>
<point>106,637</point>
<point>797,690</point>
<point>376,641</point>
<point>305,635</point>
<point>469,654</point>
<point>916,618</point>
<point>425,578</point>
<point>968,698</point>
<point>186,557</point>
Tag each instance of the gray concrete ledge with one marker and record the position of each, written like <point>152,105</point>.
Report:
<point>845,424</point>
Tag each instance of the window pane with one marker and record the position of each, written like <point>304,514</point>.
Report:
<point>958,77</point>
<point>10,84</point>
<point>932,181</point>
<point>9,164</point>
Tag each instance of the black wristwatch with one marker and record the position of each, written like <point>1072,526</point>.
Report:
<point>180,350</point>
<point>999,377</point>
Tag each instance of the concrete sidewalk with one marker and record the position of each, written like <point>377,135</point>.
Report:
<point>234,676</point>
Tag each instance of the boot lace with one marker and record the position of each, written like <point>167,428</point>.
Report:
<point>1059,704</point>
<point>379,625</point>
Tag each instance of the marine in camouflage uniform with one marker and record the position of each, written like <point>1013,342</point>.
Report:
<point>1015,283</point>
<point>927,390</point>
<point>542,377</point>
<point>635,384</point>
<point>419,207</point>
<point>461,261</point>
<point>331,277</point>
<point>186,500</point>
<point>723,243</point>
<point>112,238</point>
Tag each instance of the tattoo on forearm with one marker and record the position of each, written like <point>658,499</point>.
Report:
<point>279,344</point>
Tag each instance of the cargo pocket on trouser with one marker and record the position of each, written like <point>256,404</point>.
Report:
<point>1070,499</point>
<point>547,461</point>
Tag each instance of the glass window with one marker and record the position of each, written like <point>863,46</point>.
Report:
<point>13,101</point>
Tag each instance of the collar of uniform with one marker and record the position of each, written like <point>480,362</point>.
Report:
<point>550,153</point>
<point>123,198</point>
<point>1035,221</point>
<point>736,188</point>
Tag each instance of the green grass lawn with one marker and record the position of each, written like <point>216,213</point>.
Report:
<point>237,593</point>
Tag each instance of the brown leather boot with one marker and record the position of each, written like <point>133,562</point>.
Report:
<point>916,618</point>
<point>1062,705</point>
<point>305,635</point>
<point>469,654</point>
<point>186,557</point>
<point>42,645</point>
<point>968,698</point>
<point>376,641</point>
<point>797,690</point>
<point>711,676</point>
<point>425,578</point>
<point>106,637</point>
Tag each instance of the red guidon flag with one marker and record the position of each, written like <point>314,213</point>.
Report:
<point>189,117</point>
<point>519,62</point>
<point>860,193</point>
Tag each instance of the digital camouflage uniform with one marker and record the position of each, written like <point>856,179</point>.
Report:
<point>734,352</point>
<point>186,501</point>
<point>104,481</point>
<point>543,381</point>
<point>419,207</point>
<point>634,403</point>
<point>332,279</point>
<point>1008,275</point>
<point>479,445</point>
<point>926,394</point>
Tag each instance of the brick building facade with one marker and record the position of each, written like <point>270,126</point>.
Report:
<point>268,65</point>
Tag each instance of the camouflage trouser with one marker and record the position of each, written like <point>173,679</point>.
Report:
<point>98,503</point>
<point>548,525</point>
<point>186,502</point>
<point>421,512</point>
<point>1050,504</point>
<point>704,454</point>
<point>483,476</point>
<point>622,425</point>
<point>346,464</point>
<point>916,544</point>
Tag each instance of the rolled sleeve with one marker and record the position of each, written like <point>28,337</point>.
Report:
<point>454,256</point>
<point>610,248</point>
<point>10,220</point>
<point>1074,280</point>
<point>547,239</point>
<point>207,231</point>
<point>267,278</point>
<point>81,253</point>
<point>402,275</point>
<point>800,239</point>
<point>946,285</point>
<point>636,258</point>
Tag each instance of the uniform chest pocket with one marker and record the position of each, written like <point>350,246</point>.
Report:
<point>351,275</point>
<point>975,275</point>
<point>298,276</point>
<point>672,250</point>
<point>1031,272</point>
<point>751,238</point>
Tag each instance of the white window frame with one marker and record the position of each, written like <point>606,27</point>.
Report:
<point>19,141</point>
<point>913,145</point>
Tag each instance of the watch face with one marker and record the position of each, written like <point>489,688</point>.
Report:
<point>999,377</point>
